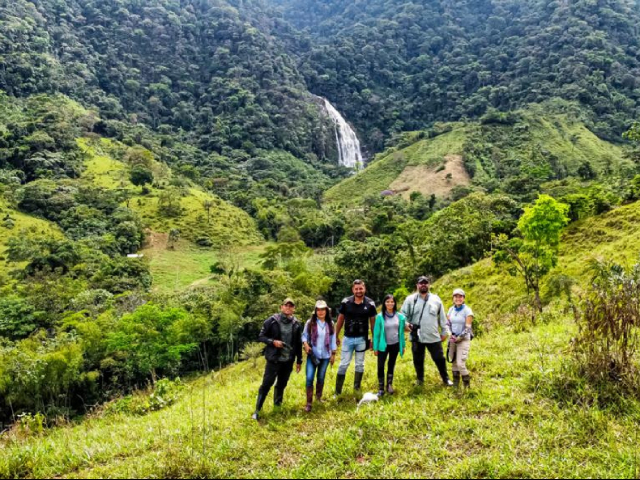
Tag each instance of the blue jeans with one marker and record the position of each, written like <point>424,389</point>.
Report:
<point>312,369</point>
<point>349,347</point>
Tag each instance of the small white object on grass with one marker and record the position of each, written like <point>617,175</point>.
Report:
<point>368,398</point>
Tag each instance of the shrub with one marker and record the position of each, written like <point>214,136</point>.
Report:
<point>608,324</point>
<point>252,351</point>
<point>165,394</point>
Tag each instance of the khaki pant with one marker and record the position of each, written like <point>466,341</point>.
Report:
<point>461,352</point>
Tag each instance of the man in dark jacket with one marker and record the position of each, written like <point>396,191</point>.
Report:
<point>282,333</point>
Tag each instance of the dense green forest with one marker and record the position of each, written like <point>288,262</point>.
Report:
<point>392,66</point>
<point>142,137</point>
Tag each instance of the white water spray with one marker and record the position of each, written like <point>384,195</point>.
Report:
<point>349,151</point>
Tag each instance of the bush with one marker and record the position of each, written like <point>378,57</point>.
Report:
<point>165,394</point>
<point>252,351</point>
<point>609,324</point>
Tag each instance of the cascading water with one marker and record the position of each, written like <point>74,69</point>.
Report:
<point>349,151</point>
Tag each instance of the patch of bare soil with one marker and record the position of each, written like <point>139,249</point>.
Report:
<point>436,181</point>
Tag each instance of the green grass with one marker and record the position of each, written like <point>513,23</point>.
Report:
<point>227,224</point>
<point>511,425</point>
<point>379,176</point>
<point>175,270</point>
<point>22,223</point>
<point>503,428</point>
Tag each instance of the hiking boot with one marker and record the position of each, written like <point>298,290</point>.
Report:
<point>419,383</point>
<point>390,389</point>
<point>339,384</point>
<point>259,405</point>
<point>456,379</point>
<point>357,383</point>
<point>309,400</point>
<point>319,391</point>
<point>467,381</point>
<point>278,397</point>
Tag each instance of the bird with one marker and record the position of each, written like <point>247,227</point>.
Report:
<point>368,398</point>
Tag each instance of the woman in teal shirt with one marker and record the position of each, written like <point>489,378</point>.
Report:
<point>388,341</point>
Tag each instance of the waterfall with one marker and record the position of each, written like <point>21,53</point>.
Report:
<point>349,151</point>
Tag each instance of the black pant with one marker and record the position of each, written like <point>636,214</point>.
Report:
<point>392,354</point>
<point>437,355</point>
<point>280,372</point>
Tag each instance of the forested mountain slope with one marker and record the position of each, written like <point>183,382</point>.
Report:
<point>517,153</point>
<point>198,69</point>
<point>400,65</point>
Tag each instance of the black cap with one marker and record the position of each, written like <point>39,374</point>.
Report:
<point>424,279</point>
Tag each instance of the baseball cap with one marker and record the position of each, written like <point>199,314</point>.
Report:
<point>459,291</point>
<point>424,279</point>
<point>289,301</point>
<point>322,305</point>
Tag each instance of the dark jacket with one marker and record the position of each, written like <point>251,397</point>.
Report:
<point>271,332</point>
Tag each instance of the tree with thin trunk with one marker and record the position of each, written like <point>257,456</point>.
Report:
<point>208,206</point>
<point>535,253</point>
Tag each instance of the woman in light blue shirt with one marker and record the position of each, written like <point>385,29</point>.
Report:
<point>319,339</point>
<point>460,322</point>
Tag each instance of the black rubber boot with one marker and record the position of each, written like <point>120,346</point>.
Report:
<point>357,384</point>
<point>390,389</point>
<point>456,379</point>
<point>340,384</point>
<point>380,388</point>
<point>278,397</point>
<point>259,405</point>
<point>467,381</point>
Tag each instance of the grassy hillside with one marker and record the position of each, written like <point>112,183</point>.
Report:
<point>14,223</point>
<point>614,236</point>
<point>514,153</point>
<point>379,176</point>
<point>511,424</point>
<point>186,265</point>
<point>222,225</point>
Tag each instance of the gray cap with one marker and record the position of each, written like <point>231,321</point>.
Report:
<point>424,279</point>
<point>459,291</point>
<point>288,301</point>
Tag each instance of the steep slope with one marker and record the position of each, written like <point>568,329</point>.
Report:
<point>15,223</point>
<point>218,73</point>
<point>172,203</point>
<point>395,65</point>
<point>514,153</point>
<point>507,427</point>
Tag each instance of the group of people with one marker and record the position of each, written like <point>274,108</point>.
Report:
<point>422,315</point>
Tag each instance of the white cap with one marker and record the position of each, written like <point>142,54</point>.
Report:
<point>322,305</point>
<point>459,291</point>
